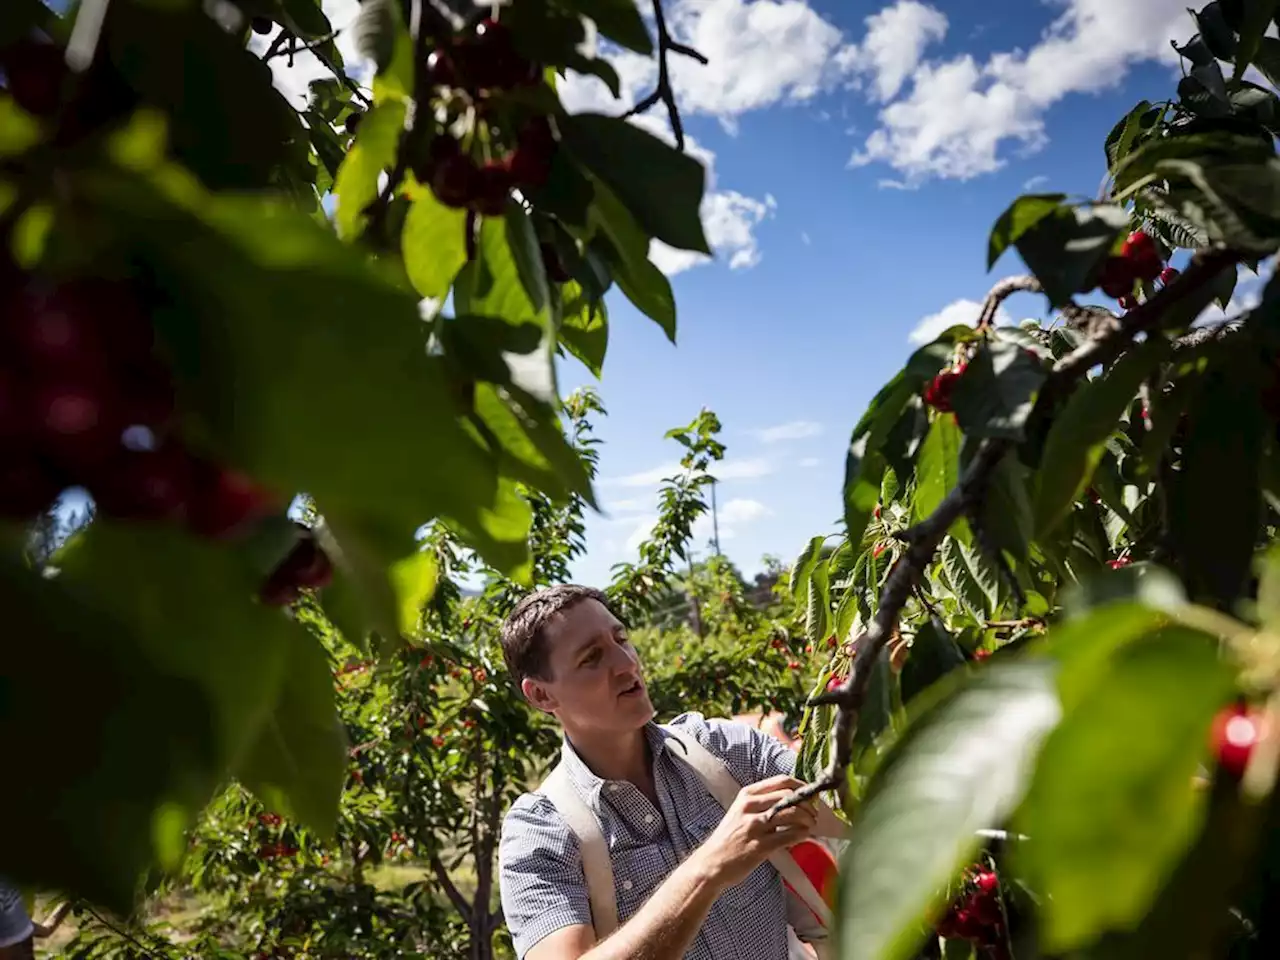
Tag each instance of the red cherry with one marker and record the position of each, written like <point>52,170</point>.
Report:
<point>833,683</point>
<point>34,74</point>
<point>479,675</point>
<point>426,661</point>
<point>455,180</point>
<point>261,25</point>
<point>793,664</point>
<point>879,548</point>
<point>985,909</point>
<point>223,501</point>
<point>306,566</point>
<point>981,654</point>
<point>1119,563</point>
<point>831,642</point>
<point>493,187</point>
<point>27,485</point>
<point>48,333</point>
<point>79,422</point>
<point>277,591</point>
<point>491,60</point>
<point>1143,256</point>
<point>1169,274</point>
<point>877,511</point>
<point>437,741</point>
<point>1234,734</point>
<point>441,70</point>
<point>1128,302</point>
<point>938,393</point>
<point>987,881</point>
<point>530,163</point>
<point>144,484</point>
<point>1116,279</point>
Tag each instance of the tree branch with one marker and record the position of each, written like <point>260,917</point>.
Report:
<point>1001,292</point>
<point>924,538</point>
<point>664,91</point>
<point>450,888</point>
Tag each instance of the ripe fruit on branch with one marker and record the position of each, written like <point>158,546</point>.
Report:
<point>223,501</point>
<point>261,25</point>
<point>1142,255</point>
<point>938,393</point>
<point>1117,278</point>
<point>1119,563</point>
<point>353,121</point>
<point>305,567</point>
<point>1236,731</point>
<point>1128,302</point>
<point>144,484</point>
<point>1169,274</point>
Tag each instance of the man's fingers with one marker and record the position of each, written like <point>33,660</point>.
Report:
<point>763,801</point>
<point>786,837</point>
<point>772,784</point>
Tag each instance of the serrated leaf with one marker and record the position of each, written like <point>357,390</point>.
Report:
<point>1023,214</point>
<point>1221,460</point>
<point>659,185</point>
<point>619,20</point>
<point>1201,147</point>
<point>433,244</point>
<point>933,655</point>
<point>1007,514</point>
<point>975,584</point>
<point>1078,436</point>
<point>626,251</point>
<point>1122,827</point>
<point>306,19</point>
<point>1257,18</point>
<point>530,444</point>
<point>584,327</point>
<point>960,767</point>
<point>865,462</point>
<point>802,571</point>
<point>877,706</point>
<point>1122,136</point>
<point>526,252</point>
<point>297,763</point>
<point>1065,249</point>
<point>994,396</point>
<point>938,466</point>
<point>374,31</point>
<point>817,616</point>
<point>356,185</point>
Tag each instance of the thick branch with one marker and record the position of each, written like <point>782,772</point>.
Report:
<point>1001,292</point>
<point>450,888</point>
<point>664,91</point>
<point>924,538</point>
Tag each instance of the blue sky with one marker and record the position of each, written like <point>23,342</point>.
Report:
<point>858,154</point>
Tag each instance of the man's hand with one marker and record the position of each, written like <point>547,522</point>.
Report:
<point>747,836</point>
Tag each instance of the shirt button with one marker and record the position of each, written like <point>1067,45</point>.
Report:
<point>648,818</point>
<point>613,788</point>
<point>626,884</point>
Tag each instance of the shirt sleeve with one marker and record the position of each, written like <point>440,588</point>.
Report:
<point>540,874</point>
<point>749,753</point>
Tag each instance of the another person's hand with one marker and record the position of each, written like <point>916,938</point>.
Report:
<point>747,836</point>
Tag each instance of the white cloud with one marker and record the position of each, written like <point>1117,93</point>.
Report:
<point>627,505</point>
<point>794,430</point>
<point>1035,183</point>
<point>742,469</point>
<point>808,462</point>
<point>738,511</point>
<point>643,478</point>
<point>958,311</point>
<point>896,39</point>
<point>959,115</point>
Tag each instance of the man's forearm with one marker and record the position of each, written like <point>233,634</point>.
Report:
<point>667,923</point>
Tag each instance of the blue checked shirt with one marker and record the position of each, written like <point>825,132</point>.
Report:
<point>540,863</point>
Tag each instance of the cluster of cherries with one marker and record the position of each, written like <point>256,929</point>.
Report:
<point>1236,731</point>
<point>1138,262</point>
<point>976,915</point>
<point>481,61</point>
<point>86,401</point>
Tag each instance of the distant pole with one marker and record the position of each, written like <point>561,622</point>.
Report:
<point>715,520</point>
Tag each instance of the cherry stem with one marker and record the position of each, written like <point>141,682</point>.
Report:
<point>925,537</point>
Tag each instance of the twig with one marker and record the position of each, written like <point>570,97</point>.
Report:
<point>121,932</point>
<point>450,888</point>
<point>664,92</point>
<point>925,537</point>
<point>1001,292</point>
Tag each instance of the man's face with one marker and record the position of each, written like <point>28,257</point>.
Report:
<point>596,681</point>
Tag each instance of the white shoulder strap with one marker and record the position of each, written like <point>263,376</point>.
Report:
<point>722,785</point>
<point>596,866</point>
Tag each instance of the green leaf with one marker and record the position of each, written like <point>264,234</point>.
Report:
<point>1215,30</point>
<point>994,396</point>
<point>1267,58</point>
<point>817,616</point>
<point>307,19</point>
<point>193,608</point>
<point>960,767</point>
<point>297,764</point>
<point>865,462</point>
<point>303,424</point>
<point>1066,248</point>
<point>933,655</point>
<point>1078,436</point>
<point>374,150</point>
<point>374,32</point>
<point>626,250</point>
<point>1215,503</point>
<point>661,186</point>
<point>501,532</point>
<point>83,678</point>
<point>584,328</point>
<point>1007,514</point>
<point>976,585</point>
<point>1023,214</point>
<point>1202,147</point>
<point>619,20</point>
<point>1257,18</point>
<point>522,241</point>
<point>414,579</point>
<point>1123,135</point>
<point>1105,842</point>
<point>1269,590</point>
<point>877,706</point>
<point>433,244</point>
<point>938,467</point>
<point>802,571</point>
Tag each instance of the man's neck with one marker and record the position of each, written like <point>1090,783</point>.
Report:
<point>615,756</point>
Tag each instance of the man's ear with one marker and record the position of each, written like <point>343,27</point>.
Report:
<point>538,695</point>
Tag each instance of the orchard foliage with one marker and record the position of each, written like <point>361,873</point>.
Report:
<point>192,338</point>
<point>1054,592</point>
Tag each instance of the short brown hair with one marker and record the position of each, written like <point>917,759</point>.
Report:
<point>524,642</point>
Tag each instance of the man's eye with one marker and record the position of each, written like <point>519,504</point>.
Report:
<point>592,658</point>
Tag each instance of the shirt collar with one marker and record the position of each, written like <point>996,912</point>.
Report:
<point>589,785</point>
